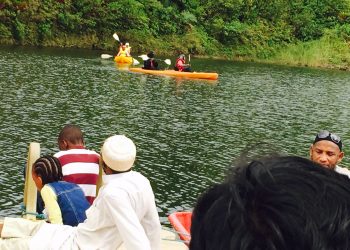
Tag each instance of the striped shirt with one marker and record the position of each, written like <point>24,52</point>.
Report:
<point>81,166</point>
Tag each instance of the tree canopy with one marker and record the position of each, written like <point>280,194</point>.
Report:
<point>199,26</point>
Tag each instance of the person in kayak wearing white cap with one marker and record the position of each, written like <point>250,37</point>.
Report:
<point>123,212</point>
<point>128,48</point>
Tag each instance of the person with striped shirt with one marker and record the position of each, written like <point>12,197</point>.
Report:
<point>79,165</point>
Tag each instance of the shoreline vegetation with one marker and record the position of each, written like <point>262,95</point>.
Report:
<point>287,32</point>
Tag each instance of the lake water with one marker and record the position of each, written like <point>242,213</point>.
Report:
<point>187,132</point>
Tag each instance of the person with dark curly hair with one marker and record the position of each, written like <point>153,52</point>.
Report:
<point>288,203</point>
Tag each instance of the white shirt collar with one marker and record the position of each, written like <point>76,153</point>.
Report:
<point>110,177</point>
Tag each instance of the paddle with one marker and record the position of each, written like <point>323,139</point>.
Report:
<point>145,57</point>
<point>107,56</point>
<point>116,37</point>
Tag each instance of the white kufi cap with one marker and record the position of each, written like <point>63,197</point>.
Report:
<point>118,152</point>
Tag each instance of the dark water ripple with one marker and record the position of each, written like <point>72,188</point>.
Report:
<point>187,132</point>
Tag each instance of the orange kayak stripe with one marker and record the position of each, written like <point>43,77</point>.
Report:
<point>199,75</point>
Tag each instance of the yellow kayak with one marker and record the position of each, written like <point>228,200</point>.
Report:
<point>198,75</point>
<point>123,59</point>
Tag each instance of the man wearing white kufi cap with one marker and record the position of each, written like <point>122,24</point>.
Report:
<point>118,153</point>
<point>123,212</point>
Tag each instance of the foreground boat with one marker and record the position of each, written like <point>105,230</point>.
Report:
<point>123,59</point>
<point>169,240</point>
<point>181,222</point>
<point>196,75</point>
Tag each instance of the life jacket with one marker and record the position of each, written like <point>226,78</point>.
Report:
<point>150,64</point>
<point>72,202</point>
<point>123,52</point>
<point>178,66</point>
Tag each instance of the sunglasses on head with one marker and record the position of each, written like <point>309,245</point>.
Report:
<point>325,134</point>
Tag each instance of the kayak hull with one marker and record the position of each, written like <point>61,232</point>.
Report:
<point>197,75</point>
<point>123,59</point>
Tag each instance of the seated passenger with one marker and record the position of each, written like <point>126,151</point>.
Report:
<point>123,51</point>
<point>128,48</point>
<point>123,212</point>
<point>64,202</point>
<point>288,203</point>
<point>79,165</point>
<point>180,64</point>
<point>327,150</point>
<point>150,63</point>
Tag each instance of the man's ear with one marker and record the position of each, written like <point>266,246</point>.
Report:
<point>340,157</point>
<point>63,145</point>
<point>40,180</point>
<point>310,151</point>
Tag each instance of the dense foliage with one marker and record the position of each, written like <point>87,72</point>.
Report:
<point>231,28</point>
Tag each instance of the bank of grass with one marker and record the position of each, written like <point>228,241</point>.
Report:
<point>328,52</point>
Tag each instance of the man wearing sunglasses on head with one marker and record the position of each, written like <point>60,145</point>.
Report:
<point>326,150</point>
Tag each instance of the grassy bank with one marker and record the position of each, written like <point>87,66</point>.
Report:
<point>308,33</point>
<point>330,51</point>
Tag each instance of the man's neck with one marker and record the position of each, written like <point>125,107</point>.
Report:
<point>76,146</point>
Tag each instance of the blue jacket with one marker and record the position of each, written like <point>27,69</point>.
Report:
<point>72,202</point>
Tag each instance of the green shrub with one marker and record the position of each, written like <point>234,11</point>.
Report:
<point>19,29</point>
<point>5,32</point>
<point>69,22</point>
<point>44,31</point>
<point>344,31</point>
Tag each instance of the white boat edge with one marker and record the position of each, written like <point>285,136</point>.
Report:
<point>170,241</point>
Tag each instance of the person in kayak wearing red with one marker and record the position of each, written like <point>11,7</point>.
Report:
<point>181,65</point>
<point>150,63</point>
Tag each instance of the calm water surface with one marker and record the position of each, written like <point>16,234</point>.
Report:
<point>187,132</point>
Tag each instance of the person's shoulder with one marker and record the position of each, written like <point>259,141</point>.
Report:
<point>342,170</point>
<point>48,189</point>
<point>128,180</point>
<point>76,151</point>
<point>137,174</point>
<point>59,153</point>
<point>140,179</point>
<point>92,151</point>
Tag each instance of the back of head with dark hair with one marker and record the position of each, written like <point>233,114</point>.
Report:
<point>276,203</point>
<point>71,133</point>
<point>150,54</point>
<point>48,168</point>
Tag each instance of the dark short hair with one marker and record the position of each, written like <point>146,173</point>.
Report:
<point>150,54</point>
<point>71,133</point>
<point>282,202</point>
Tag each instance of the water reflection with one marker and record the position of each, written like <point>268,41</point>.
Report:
<point>187,131</point>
